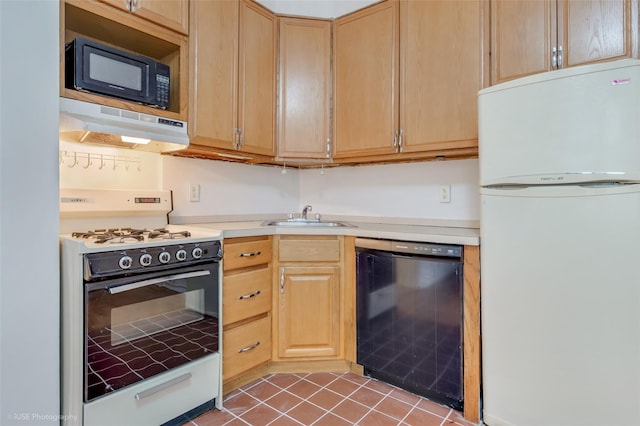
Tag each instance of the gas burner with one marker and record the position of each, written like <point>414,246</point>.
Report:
<point>164,234</point>
<point>125,235</point>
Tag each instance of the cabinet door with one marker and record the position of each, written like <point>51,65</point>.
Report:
<point>305,90</point>
<point>594,30</point>
<point>213,74</point>
<point>257,79</point>
<point>522,35</point>
<point>440,74</point>
<point>365,81</point>
<point>309,312</point>
<point>173,14</point>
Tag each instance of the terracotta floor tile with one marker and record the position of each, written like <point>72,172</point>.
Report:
<point>283,401</point>
<point>422,418</point>
<point>342,386</point>
<point>285,421</point>
<point>332,399</point>
<point>332,420</point>
<point>326,399</point>
<point>377,419</point>
<point>236,422</point>
<point>283,380</point>
<point>263,390</point>
<point>393,408</point>
<point>405,396</point>
<point>321,379</point>
<point>260,415</point>
<point>306,413</point>
<point>367,397</point>
<point>355,378</point>
<point>240,403</point>
<point>434,408</point>
<point>378,386</point>
<point>350,410</point>
<point>303,389</point>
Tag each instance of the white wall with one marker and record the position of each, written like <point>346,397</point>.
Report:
<point>408,190</point>
<point>91,166</point>
<point>29,272</point>
<point>230,188</point>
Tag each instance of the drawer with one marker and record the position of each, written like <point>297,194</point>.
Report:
<point>246,294</point>
<point>245,254</point>
<point>318,250</point>
<point>246,346</point>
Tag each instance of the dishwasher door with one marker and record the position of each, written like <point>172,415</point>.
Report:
<point>409,319</point>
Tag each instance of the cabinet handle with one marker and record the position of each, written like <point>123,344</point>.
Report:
<point>255,253</point>
<point>134,5</point>
<point>328,147</point>
<point>394,144</point>
<point>400,141</point>
<point>240,138</point>
<point>249,348</point>
<point>560,57</point>
<point>281,279</point>
<point>249,296</point>
<point>554,58</point>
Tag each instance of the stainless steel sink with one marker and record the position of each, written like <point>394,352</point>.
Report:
<point>304,223</point>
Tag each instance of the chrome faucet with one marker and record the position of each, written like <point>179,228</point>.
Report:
<point>306,209</point>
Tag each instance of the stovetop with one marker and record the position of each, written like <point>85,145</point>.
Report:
<point>130,238</point>
<point>124,235</point>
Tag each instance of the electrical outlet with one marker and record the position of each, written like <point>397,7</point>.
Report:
<point>445,193</point>
<point>194,192</point>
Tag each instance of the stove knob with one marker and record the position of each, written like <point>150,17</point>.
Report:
<point>164,257</point>
<point>197,253</point>
<point>125,262</point>
<point>146,259</point>
<point>181,255</point>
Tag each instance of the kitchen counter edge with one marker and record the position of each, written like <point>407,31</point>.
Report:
<point>418,233</point>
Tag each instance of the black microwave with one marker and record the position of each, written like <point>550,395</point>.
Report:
<point>94,67</point>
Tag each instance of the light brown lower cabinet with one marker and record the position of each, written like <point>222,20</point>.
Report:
<point>246,346</point>
<point>309,311</point>
<point>246,305</point>
<point>308,297</point>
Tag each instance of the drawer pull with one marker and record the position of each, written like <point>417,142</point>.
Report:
<point>162,386</point>
<point>255,253</point>
<point>249,296</point>
<point>249,348</point>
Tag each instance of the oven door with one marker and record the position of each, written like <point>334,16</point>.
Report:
<point>142,325</point>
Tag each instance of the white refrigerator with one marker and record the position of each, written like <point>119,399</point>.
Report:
<point>560,247</point>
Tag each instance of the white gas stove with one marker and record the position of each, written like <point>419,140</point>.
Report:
<point>141,310</point>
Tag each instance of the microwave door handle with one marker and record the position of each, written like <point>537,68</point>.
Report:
<point>145,283</point>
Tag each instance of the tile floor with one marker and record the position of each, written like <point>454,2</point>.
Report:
<point>326,399</point>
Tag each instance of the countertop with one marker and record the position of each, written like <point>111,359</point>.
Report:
<point>392,231</point>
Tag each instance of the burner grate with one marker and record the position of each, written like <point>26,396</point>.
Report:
<point>123,235</point>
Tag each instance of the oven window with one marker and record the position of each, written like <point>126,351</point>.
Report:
<point>133,333</point>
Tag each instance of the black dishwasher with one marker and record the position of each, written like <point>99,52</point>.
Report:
<point>409,316</point>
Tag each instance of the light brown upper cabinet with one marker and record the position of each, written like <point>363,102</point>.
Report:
<point>304,92</point>
<point>533,36</point>
<point>365,47</point>
<point>233,76</point>
<point>172,14</point>
<point>406,78</point>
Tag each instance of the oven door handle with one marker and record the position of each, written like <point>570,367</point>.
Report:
<point>145,283</point>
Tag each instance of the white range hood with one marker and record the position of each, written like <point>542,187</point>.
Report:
<point>98,124</point>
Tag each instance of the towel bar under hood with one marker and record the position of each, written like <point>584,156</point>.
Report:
<point>98,124</point>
